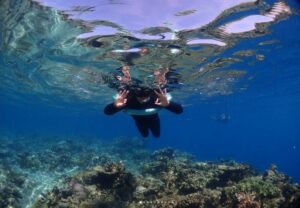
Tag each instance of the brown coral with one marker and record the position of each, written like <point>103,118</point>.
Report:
<point>247,200</point>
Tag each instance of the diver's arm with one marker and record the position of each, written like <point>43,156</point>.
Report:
<point>111,109</point>
<point>174,107</point>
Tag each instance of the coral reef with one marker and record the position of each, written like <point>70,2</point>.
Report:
<point>102,186</point>
<point>11,183</point>
<point>89,173</point>
<point>170,180</point>
<point>32,165</point>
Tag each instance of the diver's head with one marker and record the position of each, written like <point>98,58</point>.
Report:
<point>142,95</point>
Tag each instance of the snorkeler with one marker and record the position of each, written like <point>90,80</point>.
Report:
<point>143,106</point>
<point>143,103</point>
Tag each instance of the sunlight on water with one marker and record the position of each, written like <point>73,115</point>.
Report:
<point>72,50</point>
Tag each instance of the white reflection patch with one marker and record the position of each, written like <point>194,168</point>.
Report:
<point>206,41</point>
<point>249,23</point>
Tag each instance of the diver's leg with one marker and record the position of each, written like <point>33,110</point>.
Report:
<point>142,125</point>
<point>154,125</point>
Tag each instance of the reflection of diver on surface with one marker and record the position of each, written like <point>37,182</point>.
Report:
<point>131,58</point>
<point>164,78</point>
<point>142,103</point>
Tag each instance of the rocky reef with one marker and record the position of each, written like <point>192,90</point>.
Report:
<point>90,173</point>
<point>32,165</point>
<point>172,180</point>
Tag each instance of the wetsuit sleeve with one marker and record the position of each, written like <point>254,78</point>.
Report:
<point>174,107</point>
<point>111,109</point>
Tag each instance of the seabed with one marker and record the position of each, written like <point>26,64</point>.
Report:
<point>64,172</point>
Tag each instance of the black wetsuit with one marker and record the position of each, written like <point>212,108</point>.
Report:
<point>144,122</point>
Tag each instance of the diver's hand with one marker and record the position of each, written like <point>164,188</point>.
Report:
<point>121,99</point>
<point>162,99</point>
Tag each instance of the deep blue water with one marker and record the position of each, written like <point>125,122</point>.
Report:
<point>263,128</point>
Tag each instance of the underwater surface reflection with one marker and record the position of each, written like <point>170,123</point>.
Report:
<point>64,53</point>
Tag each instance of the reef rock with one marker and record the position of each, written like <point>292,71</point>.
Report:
<point>167,180</point>
<point>102,186</point>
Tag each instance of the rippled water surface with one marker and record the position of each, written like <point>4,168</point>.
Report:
<point>69,50</point>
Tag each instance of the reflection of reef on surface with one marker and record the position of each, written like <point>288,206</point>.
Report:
<point>51,172</point>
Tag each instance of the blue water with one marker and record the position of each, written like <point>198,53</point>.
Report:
<point>264,105</point>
